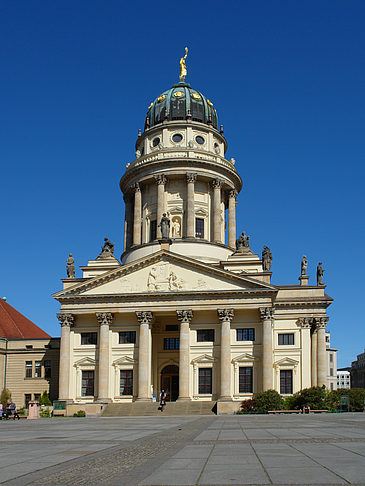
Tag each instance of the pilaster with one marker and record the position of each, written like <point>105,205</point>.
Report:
<point>137,222</point>
<point>225,316</point>
<point>217,218</point>
<point>190,216</point>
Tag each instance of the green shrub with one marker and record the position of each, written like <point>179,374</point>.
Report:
<point>80,413</point>
<point>45,413</point>
<point>268,400</point>
<point>357,398</point>
<point>5,396</point>
<point>315,397</point>
<point>248,406</point>
<point>44,400</point>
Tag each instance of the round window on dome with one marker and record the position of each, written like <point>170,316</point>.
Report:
<point>177,137</point>
<point>200,140</point>
<point>155,142</point>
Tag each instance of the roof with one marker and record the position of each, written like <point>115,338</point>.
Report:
<point>13,325</point>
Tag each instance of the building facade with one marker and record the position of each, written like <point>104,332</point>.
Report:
<point>331,364</point>
<point>188,308</point>
<point>343,379</point>
<point>29,357</point>
<point>358,371</point>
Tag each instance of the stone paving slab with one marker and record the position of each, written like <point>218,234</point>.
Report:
<point>296,450</point>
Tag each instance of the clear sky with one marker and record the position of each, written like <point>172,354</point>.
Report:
<point>287,80</point>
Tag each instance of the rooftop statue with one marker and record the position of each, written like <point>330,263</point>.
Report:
<point>266,259</point>
<point>107,249</point>
<point>320,273</point>
<point>242,242</point>
<point>183,70</point>
<point>165,227</point>
<point>70,267</point>
<point>303,267</point>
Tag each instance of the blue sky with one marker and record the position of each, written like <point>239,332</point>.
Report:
<point>287,80</point>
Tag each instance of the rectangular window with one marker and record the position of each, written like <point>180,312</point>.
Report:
<point>205,381</point>
<point>286,382</point>
<point>286,339</point>
<point>27,399</point>
<point>153,230</point>
<point>127,337</point>
<point>28,369</point>
<point>171,343</point>
<point>331,358</point>
<point>38,369</point>
<point>246,334</point>
<point>171,327</point>
<point>245,379</point>
<point>37,396</point>
<point>87,384</point>
<point>126,382</point>
<point>47,368</point>
<point>199,228</point>
<point>331,371</point>
<point>89,338</point>
<point>331,386</point>
<point>205,335</point>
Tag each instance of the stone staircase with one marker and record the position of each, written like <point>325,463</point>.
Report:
<point>136,409</point>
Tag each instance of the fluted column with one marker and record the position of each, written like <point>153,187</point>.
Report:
<point>128,222</point>
<point>137,214</point>
<point>190,216</point>
<point>144,354</point>
<point>161,180</point>
<point>305,324</point>
<point>314,353</point>
<point>217,217</point>
<point>225,316</point>
<point>267,317</point>
<point>232,218</point>
<point>322,353</point>
<point>184,317</point>
<point>104,319</point>
<point>66,321</point>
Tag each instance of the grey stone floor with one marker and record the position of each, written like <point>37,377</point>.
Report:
<point>326,449</point>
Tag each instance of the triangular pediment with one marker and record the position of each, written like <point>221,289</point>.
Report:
<point>124,360</point>
<point>165,272</point>
<point>84,362</point>
<point>243,357</point>
<point>204,358</point>
<point>286,362</point>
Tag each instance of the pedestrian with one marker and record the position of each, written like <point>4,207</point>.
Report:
<point>11,410</point>
<point>1,411</point>
<point>162,400</point>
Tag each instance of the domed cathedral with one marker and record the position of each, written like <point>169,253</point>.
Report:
<point>189,309</point>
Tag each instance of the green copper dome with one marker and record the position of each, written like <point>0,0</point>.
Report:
<point>181,102</point>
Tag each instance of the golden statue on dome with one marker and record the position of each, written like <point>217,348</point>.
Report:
<point>183,70</point>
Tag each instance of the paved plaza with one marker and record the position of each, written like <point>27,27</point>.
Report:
<point>320,449</point>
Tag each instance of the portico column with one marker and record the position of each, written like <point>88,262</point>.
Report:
<point>190,216</point>
<point>267,317</point>
<point>161,180</point>
<point>314,353</point>
<point>321,348</point>
<point>217,231</point>
<point>305,324</point>
<point>184,317</point>
<point>225,316</point>
<point>137,214</point>
<point>66,321</point>
<point>232,218</point>
<point>144,355</point>
<point>104,319</point>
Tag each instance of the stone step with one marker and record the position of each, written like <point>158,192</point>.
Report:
<point>134,409</point>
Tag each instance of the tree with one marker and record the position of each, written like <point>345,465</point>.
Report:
<point>314,397</point>
<point>44,400</point>
<point>5,396</point>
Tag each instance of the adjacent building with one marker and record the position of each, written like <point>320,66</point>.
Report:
<point>331,364</point>
<point>188,308</point>
<point>343,378</point>
<point>29,357</point>
<point>358,371</point>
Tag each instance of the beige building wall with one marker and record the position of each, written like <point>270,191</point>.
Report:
<point>35,351</point>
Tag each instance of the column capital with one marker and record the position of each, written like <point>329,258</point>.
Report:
<point>185,315</point>
<point>160,179</point>
<point>191,177</point>
<point>304,322</point>
<point>225,314</point>
<point>266,313</point>
<point>66,320</point>
<point>104,318</point>
<point>232,193</point>
<point>136,187</point>
<point>144,317</point>
<point>320,322</point>
<point>216,183</point>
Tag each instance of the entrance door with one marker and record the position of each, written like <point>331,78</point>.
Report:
<point>170,382</point>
